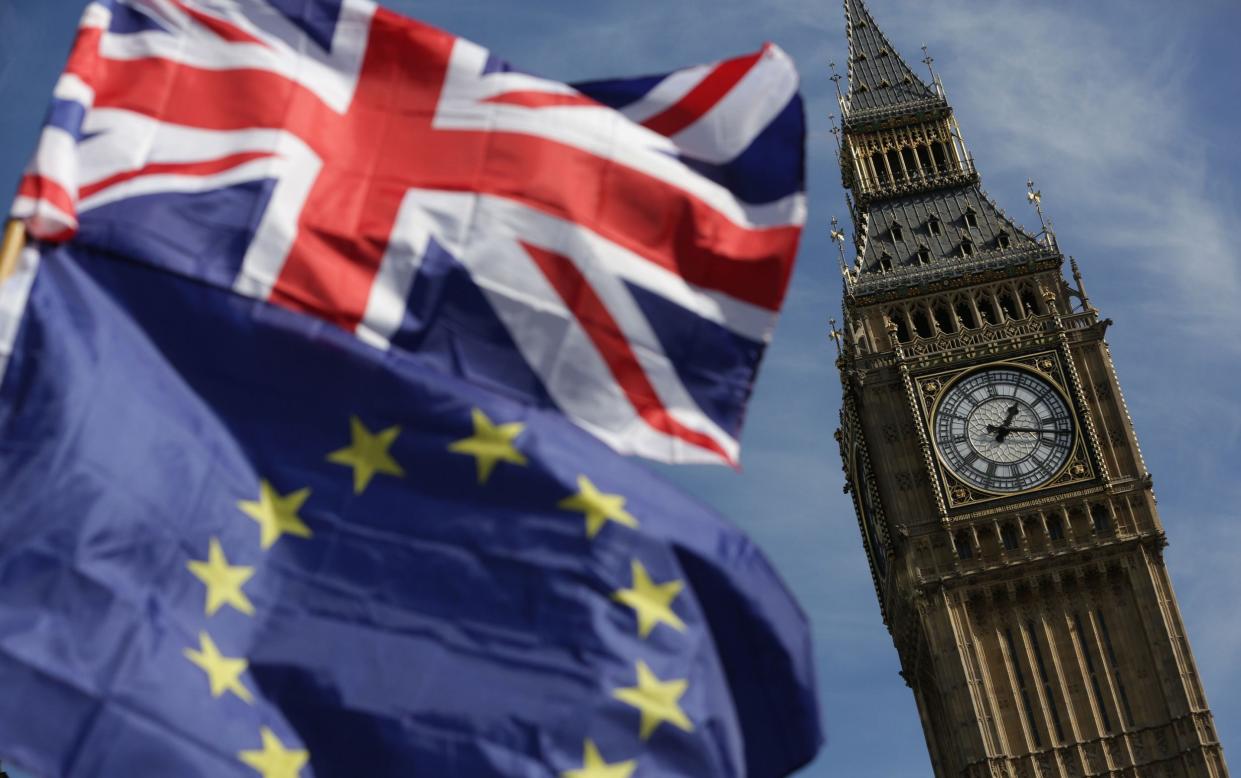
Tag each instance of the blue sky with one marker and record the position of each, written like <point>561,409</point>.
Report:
<point>1124,112</point>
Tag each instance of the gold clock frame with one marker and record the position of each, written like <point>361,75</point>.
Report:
<point>1078,467</point>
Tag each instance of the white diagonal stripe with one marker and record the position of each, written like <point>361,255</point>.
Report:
<point>732,124</point>
<point>14,292</point>
<point>484,234</point>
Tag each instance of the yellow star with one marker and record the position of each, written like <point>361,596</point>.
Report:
<point>657,700</point>
<point>593,766</point>
<point>367,454</point>
<point>276,515</point>
<point>223,581</point>
<point>651,602</point>
<point>274,760</point>
<point>597,507</point>
<point>223,673</point>
<point>490,444</point>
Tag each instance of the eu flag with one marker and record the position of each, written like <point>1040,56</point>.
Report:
<point>237,540</point>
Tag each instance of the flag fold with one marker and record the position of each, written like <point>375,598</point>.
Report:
<point>617,251</point>
<point>233,537</point>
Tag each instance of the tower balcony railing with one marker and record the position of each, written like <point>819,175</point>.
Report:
<point>1080,320</point>
<point>1045,324</point>
<point>908,181</point>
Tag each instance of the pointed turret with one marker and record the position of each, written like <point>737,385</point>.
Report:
<point>920,214</point>
<point>879,80</point>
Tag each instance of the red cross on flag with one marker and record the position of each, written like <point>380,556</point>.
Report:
<point>615,250</point>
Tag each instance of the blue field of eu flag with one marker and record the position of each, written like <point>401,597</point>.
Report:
<point>237,541</point>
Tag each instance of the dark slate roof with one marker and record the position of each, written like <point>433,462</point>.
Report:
<point>879,80</point>
<point>913,214</point>
<point>948,204</point>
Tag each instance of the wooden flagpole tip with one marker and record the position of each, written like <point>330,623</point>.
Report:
<point>11,247</point>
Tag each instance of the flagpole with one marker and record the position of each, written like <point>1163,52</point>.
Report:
<point>12,245</point>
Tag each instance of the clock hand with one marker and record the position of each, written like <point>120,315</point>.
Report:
<point>1001,431</point>
<point>1032,429</point>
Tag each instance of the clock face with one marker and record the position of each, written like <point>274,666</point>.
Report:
<point>1003,430</point>
<point>878,551</point>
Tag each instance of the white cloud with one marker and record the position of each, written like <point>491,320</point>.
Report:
<point>1098,107</point>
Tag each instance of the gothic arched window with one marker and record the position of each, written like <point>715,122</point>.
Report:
<point>1100,517</point>
<point>911,162</point>
<point>922,324</point>
<point>1029,302</point>
<point>881,170</point>
<point>943,318</point>
<point>985,310</point>
<point>902,331</point>
<point>1008,306</point>
<point>965,314</point>
<point>1008,535</point>
<point>962,542</point>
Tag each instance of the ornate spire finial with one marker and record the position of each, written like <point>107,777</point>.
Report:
<point>835,78</point>
<point>831,117</point>
<point>928,60</point>
<point>838,237</point>
<point>1081,287</point>
<point>1035,198</point>
<point>835,334</point>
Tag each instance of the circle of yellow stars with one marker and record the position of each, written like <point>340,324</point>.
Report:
<point>368,455</point>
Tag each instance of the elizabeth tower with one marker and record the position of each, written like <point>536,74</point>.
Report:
<point>1004,505</point>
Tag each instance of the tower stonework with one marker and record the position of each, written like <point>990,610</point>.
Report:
<point>1003,502</point>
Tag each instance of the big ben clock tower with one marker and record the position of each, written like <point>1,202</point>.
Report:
<point>1003,502</point>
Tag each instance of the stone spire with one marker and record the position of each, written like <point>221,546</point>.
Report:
<point>920,214</point>
<point>879,80</point>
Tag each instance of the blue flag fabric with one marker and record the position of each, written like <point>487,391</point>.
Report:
<point>236,540</point>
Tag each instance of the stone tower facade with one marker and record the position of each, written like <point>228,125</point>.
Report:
<point>1003,502</point>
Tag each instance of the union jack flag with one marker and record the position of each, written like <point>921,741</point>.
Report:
<point>618,250</point>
